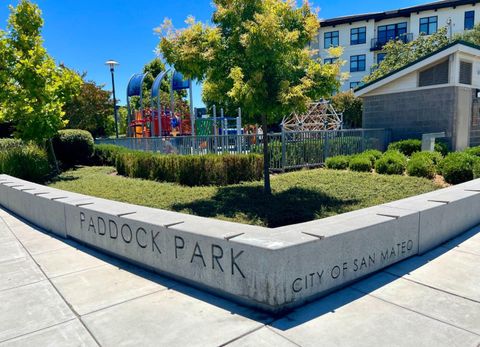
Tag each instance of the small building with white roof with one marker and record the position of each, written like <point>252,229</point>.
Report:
<point>436,93</point>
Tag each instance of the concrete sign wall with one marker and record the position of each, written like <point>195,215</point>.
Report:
<point>272,269</point>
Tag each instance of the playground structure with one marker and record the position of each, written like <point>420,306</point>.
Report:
<point>157,120</point>
<point>320,115</point>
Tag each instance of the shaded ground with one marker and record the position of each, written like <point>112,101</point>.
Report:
<point>297,197</point>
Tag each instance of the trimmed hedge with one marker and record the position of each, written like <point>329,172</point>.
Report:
<point>73,146</point>
<point>373,154</point>
<point>190,170</point>
<point>473,151</point>
<point>391,163</point>
<point>458,167</point>
<point>361,163</point>
<point>28,162</point>
<point>408,147</point>
<point>421,165</point>
<point>476,169</point>
<point>340,162</point>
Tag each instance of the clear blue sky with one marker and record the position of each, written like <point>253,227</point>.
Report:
<point>83,34</point>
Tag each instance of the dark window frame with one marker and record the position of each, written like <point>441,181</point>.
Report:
<point>331,36</point>
<point>360,61</point>
<point>427,22</point>
<point>358,36</point>
<point>378,57</point>
<point>469,20</point>
<point>354,85</point>
<point>389,32</point>
<point>329,60</point>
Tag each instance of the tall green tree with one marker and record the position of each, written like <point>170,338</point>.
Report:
<point>399,54</point>
<point>255,56</point>
<point>34,88</point>
<point>91,110</point>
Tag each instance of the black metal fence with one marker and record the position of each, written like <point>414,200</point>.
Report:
<point>287,150</point>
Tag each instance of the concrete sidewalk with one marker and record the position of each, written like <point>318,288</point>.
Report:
<point>55,292</point>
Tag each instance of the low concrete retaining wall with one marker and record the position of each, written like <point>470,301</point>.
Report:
<point>272,269</point>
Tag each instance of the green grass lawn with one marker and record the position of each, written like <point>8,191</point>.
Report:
<point>297,197</point>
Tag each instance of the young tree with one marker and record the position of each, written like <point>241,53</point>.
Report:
<point>34,88</point>
<point>91,110</point>
<point>351,107</point>
<point>399,54</point>
<point>255,56</point>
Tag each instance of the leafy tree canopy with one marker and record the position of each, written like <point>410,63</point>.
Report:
<point>34,89</point>
<point>351,107</point>
<point>399,54</point>
<point>91,109</point>
<point>255,56</point>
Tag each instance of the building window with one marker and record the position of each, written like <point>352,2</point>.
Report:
<point>329,60</point>
<point>465,72</point>
<point>437,74</point>
<point>354,85</point>
<point>469,20</point>
<point>331,39</point>
<point>358,36</point>
<point>428,25</point>
<point>357,63</point>
<point>380,57</point>
<point>391,32</point>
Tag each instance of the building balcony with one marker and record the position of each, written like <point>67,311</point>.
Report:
<point>377,43</point>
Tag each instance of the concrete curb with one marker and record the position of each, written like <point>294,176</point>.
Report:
<point>271,269</point>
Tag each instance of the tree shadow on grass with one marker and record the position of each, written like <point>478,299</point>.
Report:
<point>294,205</point>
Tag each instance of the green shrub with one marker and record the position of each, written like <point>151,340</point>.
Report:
<point>28,162</point>
<point>473,151</point>
<point>457,167</point>
<point>408,147</point>
<point>73,146</point>
<point>373,154</point>
<point>191,170</point>
<point>10,143</point>
<point>421,165</point>
<point>391,163</point>
<point>476,169</point>
<point>361,162</point>
<point>106,154</point>
<point>340,162</point>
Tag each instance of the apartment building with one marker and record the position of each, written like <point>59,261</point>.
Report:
<point>363,36</point>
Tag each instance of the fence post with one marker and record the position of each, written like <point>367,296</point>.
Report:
<point>325,146</point>
<point>284,150</point>
<point>363,140</point>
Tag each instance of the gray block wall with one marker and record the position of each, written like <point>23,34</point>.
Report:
<point>411,114</point>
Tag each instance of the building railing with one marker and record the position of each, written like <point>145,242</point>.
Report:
<point>287,150</point>
<point>377,43</point>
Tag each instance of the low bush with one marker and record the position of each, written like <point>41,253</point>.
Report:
<point>408,147</point>
<point>361,163</point>
<point>6,144</point>
<point>340,162</point>
<point>473,151</point>
<point>476,169</point>
<point>190,170</point>
<point>373,154</point>
<point>73,146</point>
<point>391,163</point>
<point>28,162</point>
<point>457,167</point>
<point>421,165</point>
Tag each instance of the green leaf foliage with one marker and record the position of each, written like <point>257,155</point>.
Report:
<point>361,163</point>
<point>457,167</point>
<point>339,162</point>
<point>73,146</point>
<point>351,107</point>
<point>28,162</point>
<point>254,56</point>
<point>391,163</point>
<point>34,88</point>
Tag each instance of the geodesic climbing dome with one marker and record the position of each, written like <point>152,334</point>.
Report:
<point>320,115</point>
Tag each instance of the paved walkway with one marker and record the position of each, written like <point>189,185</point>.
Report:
<point>55,292</point>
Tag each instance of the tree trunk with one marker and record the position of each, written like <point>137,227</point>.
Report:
<point>54,157</point>
<point>266,160</point>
